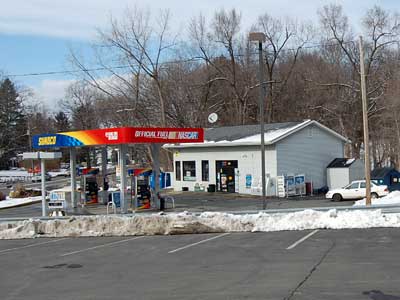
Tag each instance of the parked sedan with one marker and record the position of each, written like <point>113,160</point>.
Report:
<point>357,190</point>
<point>38,177</point>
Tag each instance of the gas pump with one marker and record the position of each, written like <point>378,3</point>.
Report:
<point>90,193</point>
<point>142,188</point>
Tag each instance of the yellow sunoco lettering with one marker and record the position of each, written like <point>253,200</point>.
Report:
<point>47,140</point>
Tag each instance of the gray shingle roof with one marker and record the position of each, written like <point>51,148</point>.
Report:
<point>231,133</point>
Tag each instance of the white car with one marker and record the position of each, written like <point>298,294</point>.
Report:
<point>357,190</point>
<point>38,177</point>
<point>59,173</point>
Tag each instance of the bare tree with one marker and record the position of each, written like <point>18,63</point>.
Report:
<point>227,60</point>
<point>381,32</point>
<point>285,40</point>
<point>139,46</point>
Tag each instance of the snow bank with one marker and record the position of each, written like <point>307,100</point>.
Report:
<point>392,198</point>
<point>12,202</point>
<point>208,222</point>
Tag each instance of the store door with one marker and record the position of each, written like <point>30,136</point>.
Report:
<point>226,175</point>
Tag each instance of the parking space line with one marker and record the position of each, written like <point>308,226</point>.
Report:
<point>302,240</point>
<point>197,243</point>
<point>31,245</point>
<point>102,246</point>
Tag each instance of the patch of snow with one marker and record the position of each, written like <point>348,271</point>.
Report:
<point>12,202</point>
<point>63,189</point>
<point>14,173</point>
<point>268,136</point>
<point>392,198</point>
<point>350,161</point>
<point>207,222</point>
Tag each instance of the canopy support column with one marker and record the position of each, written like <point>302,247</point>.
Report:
<point>155,153</point>
<point>104,195</point>
<point>122,168</point>
<point>72,169</point>
<point>43,174</point>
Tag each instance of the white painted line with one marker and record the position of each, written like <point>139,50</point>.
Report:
<point>301,240</point>
<point>194,244</point>
<point>102,246</point>
<point>31,245</point>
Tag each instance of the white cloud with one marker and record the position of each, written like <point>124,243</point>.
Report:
<point>79,19</point>
<point>50,92</point>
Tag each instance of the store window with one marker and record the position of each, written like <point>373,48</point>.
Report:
<point>178,171</point>
<point>205,170</point>
<point>189,171</point>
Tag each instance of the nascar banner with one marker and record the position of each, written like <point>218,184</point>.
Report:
<point>122,135</point>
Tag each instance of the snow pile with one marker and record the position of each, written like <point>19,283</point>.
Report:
<point>208,222</point>
<point>13,202</point>
<point>392,198</point>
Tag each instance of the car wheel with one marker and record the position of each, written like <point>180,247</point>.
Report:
<point>337,197</point>
<point>374,195</point>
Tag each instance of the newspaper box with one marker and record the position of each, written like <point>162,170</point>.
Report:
<point>57,203</point>
<point>60,201</point>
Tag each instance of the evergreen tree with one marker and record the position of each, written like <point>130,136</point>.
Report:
<point>13,133</point>
<point>61,122</point>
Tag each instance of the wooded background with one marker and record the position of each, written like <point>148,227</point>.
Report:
<point>140,73</point>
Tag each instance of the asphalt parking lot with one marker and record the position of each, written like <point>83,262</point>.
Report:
<point>201,201</point>
<point>324,264</point>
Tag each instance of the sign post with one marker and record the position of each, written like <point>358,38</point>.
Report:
<point>42,156</point>
<point>43,175</point>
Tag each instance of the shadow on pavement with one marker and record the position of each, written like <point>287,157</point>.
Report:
<point>378,295</point>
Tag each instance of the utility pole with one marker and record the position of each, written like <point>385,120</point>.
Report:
<point>365,123</point>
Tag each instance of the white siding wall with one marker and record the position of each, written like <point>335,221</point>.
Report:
<point>338,177</point>
<point>248,158</point>
<point>309,154</point>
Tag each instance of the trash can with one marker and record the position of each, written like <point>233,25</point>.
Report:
<point>162,202</point>
<point>308,188</point>
<point>211,188</point>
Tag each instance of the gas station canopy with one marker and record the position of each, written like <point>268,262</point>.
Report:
<point>120,135</point>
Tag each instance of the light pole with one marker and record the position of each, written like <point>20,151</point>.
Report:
<point>260,38</point>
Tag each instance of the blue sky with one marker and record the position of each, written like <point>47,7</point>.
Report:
<point>21,54</point>
<point>35,35</point>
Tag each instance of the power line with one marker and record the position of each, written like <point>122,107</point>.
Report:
<point>64,72</point>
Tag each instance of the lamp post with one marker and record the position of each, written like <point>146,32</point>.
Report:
<point>260,38</point>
